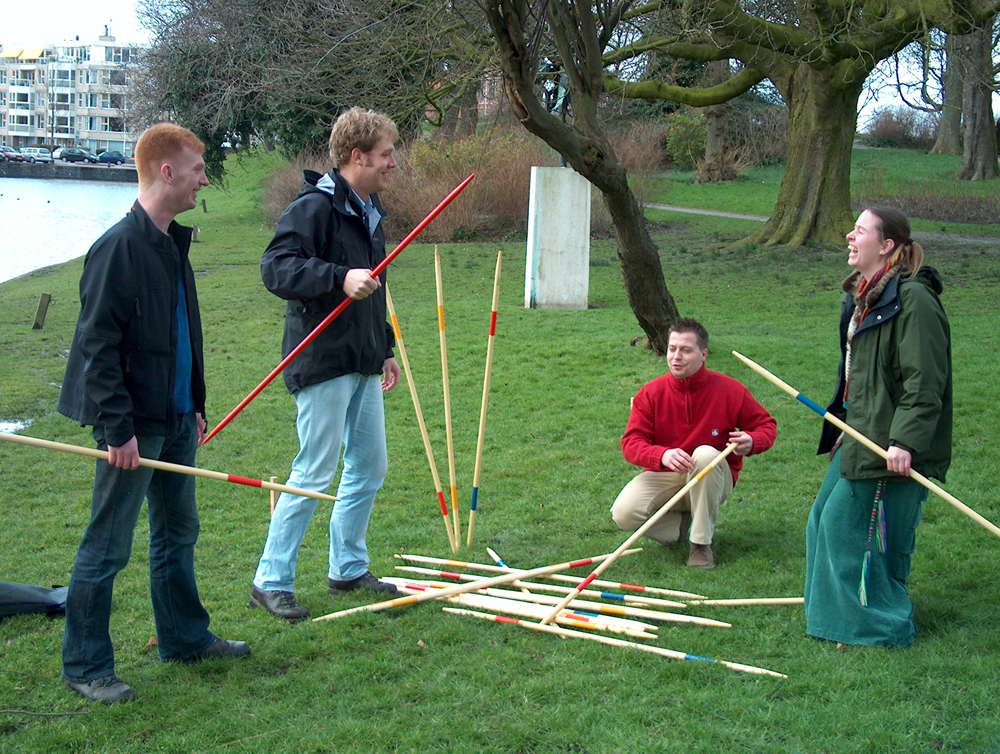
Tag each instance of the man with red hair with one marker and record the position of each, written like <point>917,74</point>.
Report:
<point>135,374</point>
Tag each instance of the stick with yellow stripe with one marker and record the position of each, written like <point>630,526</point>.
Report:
<point>447,397</point>
<point>420,419</point>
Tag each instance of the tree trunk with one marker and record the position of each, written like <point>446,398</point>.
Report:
<point>814,202</point>
<point>979,136</point>
<point>715,114</point>
<point>949,136</point>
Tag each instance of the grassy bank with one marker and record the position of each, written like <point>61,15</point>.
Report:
<point>416,680</point>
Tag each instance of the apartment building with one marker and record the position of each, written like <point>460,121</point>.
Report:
<point>67,94</point>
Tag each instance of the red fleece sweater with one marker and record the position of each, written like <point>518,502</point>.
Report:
<point>700,410</point>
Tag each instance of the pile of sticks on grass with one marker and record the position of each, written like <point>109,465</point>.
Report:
<point>633,612</point>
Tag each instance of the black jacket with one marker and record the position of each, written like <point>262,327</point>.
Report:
<point>123,360</point>
<point>317,241</point>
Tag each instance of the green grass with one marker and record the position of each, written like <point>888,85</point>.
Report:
<point>417,680</point>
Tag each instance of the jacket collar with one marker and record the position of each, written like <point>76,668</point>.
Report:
<point>692,383</point>
<point>334,184</point>
<point>180,234</point>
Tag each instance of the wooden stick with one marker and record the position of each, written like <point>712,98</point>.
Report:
<point>579,613</point>
<point>486,400</point>
<point>420,420</point>
<point>164,466</point>
<point>447,396</point>
<point>752,601</point>
<point>615,642</point>
<point>877,450</point>
<point>524,609</point>
<point>273,495</point>
<point>379,269</point>
<point>642,529</point>
<point>626,599</point>
<point>463,588</point>
<point>637,588</point>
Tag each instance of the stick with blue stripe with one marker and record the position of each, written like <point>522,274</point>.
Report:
<point>877,450</point>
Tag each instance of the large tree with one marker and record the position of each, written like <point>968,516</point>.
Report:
<point>817,54</point>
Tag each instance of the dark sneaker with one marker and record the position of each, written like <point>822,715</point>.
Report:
<point>365,581</point>
<point>109,690</point>
<point>220,648</point>
<point>282,604</point>
<point>701,557</point>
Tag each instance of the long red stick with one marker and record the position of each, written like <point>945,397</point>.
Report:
<point>340,307</point>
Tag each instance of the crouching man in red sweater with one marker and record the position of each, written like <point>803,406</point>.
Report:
<point>679,423</point>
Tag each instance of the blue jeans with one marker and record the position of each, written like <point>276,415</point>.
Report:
<point>346,411</point>
<point>181,621</point>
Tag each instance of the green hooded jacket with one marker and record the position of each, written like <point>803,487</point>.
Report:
<point>900,376</point>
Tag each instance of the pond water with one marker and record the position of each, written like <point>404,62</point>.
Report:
<point>49,221</point>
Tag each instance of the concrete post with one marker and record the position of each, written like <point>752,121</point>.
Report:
<point>557,270</point>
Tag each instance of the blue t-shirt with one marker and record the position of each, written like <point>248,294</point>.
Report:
<point>183,395</point>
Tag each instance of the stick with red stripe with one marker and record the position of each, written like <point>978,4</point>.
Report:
<point>637,588</point>
<point>463,588</point>
<point>340,307</point>
<point>420,419</point>
<point>164,466</point>
<point>641,530</point>
<point>486,400</point>
<point>447,397</point>
<point>672,654</point>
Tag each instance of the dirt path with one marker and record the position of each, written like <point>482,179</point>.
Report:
<point>952,237</point>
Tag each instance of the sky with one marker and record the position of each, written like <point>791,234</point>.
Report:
<point>65,19</point>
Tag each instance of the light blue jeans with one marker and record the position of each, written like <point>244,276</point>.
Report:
<point>345,411</point>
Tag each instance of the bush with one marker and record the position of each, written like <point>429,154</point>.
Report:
<point>757,131</point>
<point>900,128</point>
<point>494,204</point>
<point>685,142</point>
<point>282,187</point>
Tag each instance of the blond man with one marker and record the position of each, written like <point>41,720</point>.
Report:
<point>325,247</point>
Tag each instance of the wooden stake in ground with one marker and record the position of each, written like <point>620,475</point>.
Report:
<point>486,399</point>
<point>752,601</point>
<point>463,588</point>
<point>164,466</point>
<point>615,642</point>
<point>642,529</point>
<point>420,419</point>
<point>447,396</point>
<point>844,426</point>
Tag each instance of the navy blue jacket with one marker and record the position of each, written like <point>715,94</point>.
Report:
<point>317,241</point>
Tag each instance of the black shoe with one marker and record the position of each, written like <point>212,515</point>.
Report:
<point>282,604</point>
<point>365,581</point>
<point>220,648</point>
<point>109,690</point>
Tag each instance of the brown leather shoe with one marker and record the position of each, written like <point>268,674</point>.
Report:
<point>701,557</point>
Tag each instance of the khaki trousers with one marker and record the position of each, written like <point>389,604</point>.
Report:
<point>647,493</point>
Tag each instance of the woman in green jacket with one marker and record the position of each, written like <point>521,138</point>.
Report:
<point>895,388</point>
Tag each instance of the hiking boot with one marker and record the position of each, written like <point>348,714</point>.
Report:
<point>281,604</point>
<point>685,529</point>
<point>364,581</point>
<point>701,557</point>
<point>108,690</point>
<point>220,648</point>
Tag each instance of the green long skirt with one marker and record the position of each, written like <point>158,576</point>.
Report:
<point>837,538</point>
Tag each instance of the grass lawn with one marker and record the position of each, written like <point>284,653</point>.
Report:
<point>417,680</point>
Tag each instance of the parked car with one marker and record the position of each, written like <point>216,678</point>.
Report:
<point>9,154</point>
<point>77,154</point>
<point>56,154</point>
<point>36,154</point>
<point>116,158</point>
